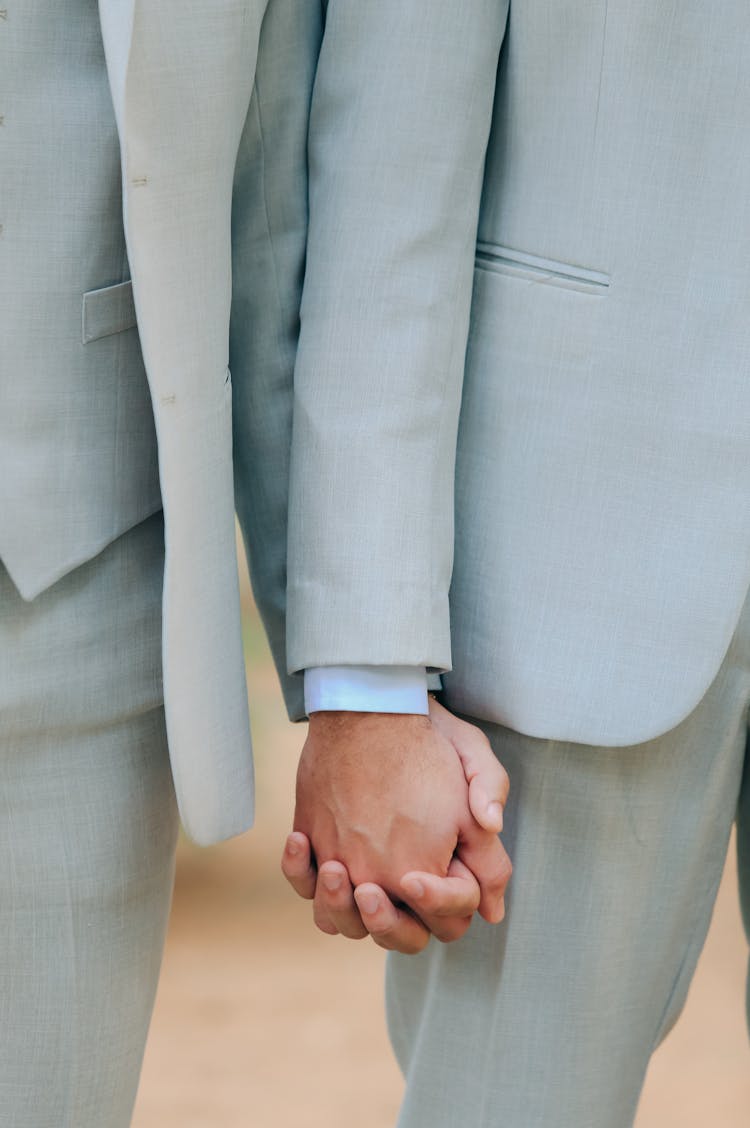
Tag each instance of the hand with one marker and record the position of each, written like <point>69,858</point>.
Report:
<point>447,904</point>
<point>387,796</point>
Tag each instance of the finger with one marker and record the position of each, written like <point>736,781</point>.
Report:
<point>334,898</point>
<point>298,866</point>
<point>390,927</point>
<point>486,857</point>
<point>487,778</point>
<point>457,894</point>
<point>322,920</point>
<point>444,904</point>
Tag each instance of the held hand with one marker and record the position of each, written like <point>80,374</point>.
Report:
<point>448,902</point>
<point>387,796</point>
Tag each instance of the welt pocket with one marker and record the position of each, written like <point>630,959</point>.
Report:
<point>534,268</point>
<point>107,311</point>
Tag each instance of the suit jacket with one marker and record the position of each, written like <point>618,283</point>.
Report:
<point>526,312</point>
<point>211,106</point>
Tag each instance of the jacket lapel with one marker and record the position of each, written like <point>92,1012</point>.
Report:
<point>181,76</point>
<point>116,17</point>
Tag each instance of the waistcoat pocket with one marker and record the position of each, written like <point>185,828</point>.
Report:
<point>107,311</point>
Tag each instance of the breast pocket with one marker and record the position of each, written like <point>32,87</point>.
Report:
<point>497,259</point>
<point>108,311</point>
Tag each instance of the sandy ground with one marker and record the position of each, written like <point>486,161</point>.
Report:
<point>261,1021</point>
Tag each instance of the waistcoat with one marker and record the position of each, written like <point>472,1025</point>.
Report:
<point>78,458</point>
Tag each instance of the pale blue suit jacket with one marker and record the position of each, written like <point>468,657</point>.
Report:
<point>522,413</point>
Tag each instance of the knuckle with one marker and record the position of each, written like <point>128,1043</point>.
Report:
<point>322,920</point>
<point>410,946</point>
<point>326,926</point>
<point>483,739</point>
<point>352,930</point>
<point>448,935</point>
<point>464,906</point>
<point>394,939</point>
<point>385,944</point>
<point>429,902</point>
<point>383,933</point>
<point>499,876</point>
<point>505,871</point>
<point>333,901</point>
<point>501,867</point>
<point>484,748</point>
<point>451,928</point>
<point>416,946</point>
<point>302,888</point>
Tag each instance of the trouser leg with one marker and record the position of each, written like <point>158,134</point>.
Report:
<point>88,828</point>
<point>549,1020</point>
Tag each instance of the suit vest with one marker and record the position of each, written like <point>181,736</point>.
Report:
<point>78,456</point>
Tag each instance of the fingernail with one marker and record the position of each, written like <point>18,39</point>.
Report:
<point>369,903</point>
<point>332,881</point>
<point>495,811</point>
<point>292,847</point>
<point>414,887</point>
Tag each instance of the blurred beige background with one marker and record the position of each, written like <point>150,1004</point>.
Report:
<point>262,1021</point>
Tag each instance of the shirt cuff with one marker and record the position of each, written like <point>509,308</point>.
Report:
<point>366,689</point>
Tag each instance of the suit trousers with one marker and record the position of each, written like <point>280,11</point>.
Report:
<point>88,827</point>
<point>549,1019</point>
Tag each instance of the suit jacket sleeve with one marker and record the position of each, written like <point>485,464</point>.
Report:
<point>401,113</point>
<point>269,225</point>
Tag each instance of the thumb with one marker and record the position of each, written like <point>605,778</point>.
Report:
<point>488,811</point>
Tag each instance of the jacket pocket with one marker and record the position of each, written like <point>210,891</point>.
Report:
<point>534,268</point>
<point>107,311</point>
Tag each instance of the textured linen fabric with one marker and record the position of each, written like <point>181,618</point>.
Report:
<point>182,77</point>
<point>548,1020</point>
<point>526,305</point>
<point>78,458</point>
<point>88,827</point>
<point>395,177</point>
<point>103,422</point>
<point>269,226</point>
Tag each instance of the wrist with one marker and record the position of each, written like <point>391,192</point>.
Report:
<point>340,719</point>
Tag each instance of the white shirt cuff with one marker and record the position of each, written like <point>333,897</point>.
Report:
<point>366,689</point>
